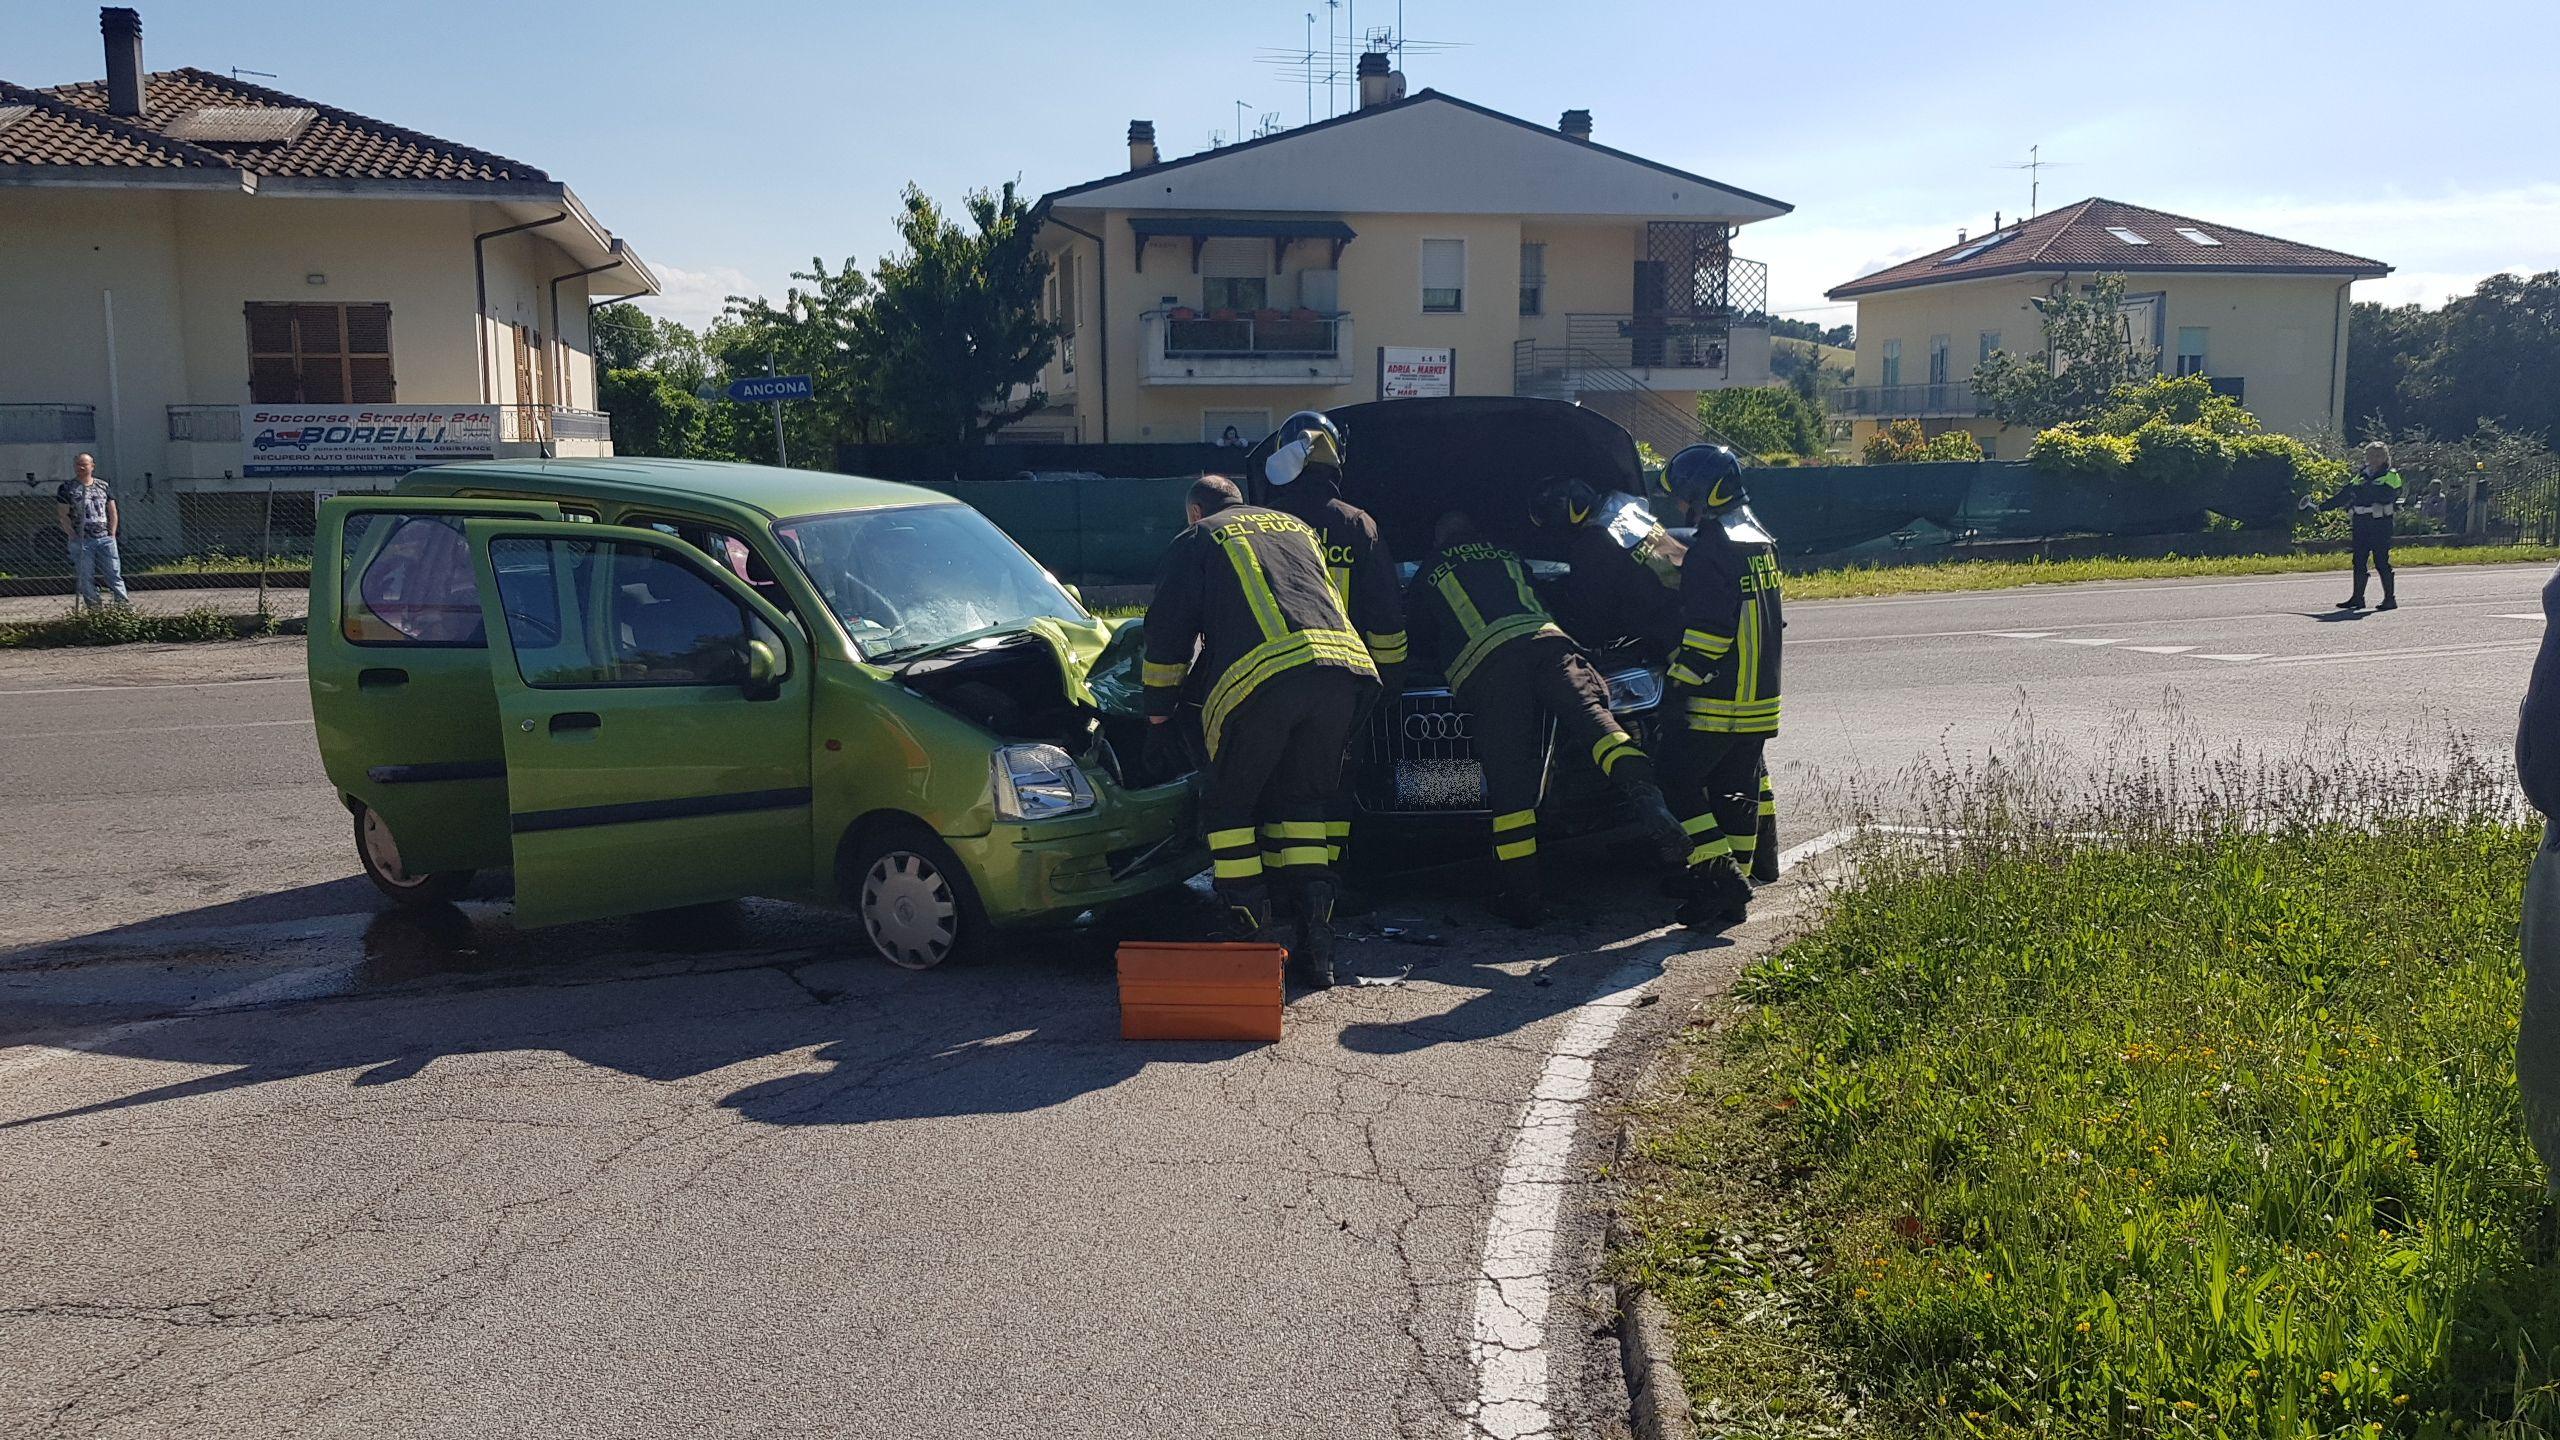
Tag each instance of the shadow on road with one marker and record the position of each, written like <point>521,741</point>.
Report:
<point>2331,617</point>
<point>825,1036</point>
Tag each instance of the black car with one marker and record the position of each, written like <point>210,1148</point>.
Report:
<point>1407,462</point>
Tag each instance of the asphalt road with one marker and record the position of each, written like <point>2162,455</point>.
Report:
<point>278,1164</point>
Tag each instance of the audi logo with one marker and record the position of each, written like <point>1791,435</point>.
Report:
<point>1442,726</point>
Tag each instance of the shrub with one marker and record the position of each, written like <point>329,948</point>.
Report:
<point>2178,400</point>
<point>2069,450</point>
<point>2167,453</point>
<point>119,625</point>
<point>1902,442</point>
<point>1763,420</point>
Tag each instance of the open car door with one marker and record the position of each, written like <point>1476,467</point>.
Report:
<point>655,717</point>
<point>400,685</point>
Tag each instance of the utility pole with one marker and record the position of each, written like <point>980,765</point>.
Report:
<point>781,447</point>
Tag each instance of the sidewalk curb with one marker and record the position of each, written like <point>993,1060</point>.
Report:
<point>1657,1399</point>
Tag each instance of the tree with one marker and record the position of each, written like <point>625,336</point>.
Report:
<point>815,331</point>
<point>952,336</point>
<point>1763,420</point>
<point>2491,355</point>
<point>2087,353</point>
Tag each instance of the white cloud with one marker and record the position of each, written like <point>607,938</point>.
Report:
<point>694,297</point>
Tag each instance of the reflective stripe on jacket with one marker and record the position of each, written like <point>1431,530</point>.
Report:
<point>1470,599</point>
<point>1246,592</point>
<point>1732,602</point>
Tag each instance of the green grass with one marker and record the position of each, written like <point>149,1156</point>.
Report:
<point>2211,1130</point>
<point>124,625</point>
<point>2004,574</point>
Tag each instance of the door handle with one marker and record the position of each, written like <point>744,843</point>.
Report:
<point>381,678</point>
<point>569,720</point>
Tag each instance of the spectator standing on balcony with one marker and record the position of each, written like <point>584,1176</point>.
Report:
<point>90,523</point>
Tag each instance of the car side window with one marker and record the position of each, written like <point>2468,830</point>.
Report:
<point>588,613</point>
<point>408,581</point>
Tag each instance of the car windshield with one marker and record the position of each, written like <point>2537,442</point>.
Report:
<point>911,578</point>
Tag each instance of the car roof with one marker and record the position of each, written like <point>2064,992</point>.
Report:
<point>774,491</point>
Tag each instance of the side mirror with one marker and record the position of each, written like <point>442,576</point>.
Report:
<point>1075,593</point>
<point>764,672</point>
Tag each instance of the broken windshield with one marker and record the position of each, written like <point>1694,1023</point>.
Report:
<point>914,577</point>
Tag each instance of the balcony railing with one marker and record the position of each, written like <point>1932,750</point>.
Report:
<point>208,424</point>
<point>48,424</point>
<point>1947,398</point>
<point>1271,333</point>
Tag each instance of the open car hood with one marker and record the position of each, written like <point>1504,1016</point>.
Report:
<point>1410,461</point>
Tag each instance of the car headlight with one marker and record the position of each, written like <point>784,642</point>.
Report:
<point>1633,690</point>
<point>1039,782</point>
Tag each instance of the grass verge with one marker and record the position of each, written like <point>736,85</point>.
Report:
<point>124,625</point>
<point>1865,580</point>
<point>2207,1129</point>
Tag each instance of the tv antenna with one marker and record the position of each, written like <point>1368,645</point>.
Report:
<point>237,71</point>
<point>1335,67</point>
<point>2035,165</point>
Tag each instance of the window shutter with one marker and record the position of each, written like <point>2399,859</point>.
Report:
<point>1444,264</point>
<point>1235,257</point>
<point>1533,262</point>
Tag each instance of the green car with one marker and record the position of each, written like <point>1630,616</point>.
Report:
<point>644,684</point>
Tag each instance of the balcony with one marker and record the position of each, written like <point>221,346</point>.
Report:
<point>1946,400</point>
<point>42,440</point>
<point>1269,347</point>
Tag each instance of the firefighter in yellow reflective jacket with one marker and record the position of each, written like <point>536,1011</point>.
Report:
<point>1244,594</point>
<point>1725,680</point>
<point>1305,475</point>
<point>1511,667</point>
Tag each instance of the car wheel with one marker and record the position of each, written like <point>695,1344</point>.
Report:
<point>912,897</point>
<point>379,852</point>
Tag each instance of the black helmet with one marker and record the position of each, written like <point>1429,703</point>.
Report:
<point>1561,504</point>
<point>1324,448</point>
<point>1705,478</point>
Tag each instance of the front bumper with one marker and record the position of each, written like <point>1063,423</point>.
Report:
<point>1133,844</point>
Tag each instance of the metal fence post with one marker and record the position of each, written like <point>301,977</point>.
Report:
<point>266,544</point>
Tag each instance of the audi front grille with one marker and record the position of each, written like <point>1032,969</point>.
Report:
<point>1418,755</point>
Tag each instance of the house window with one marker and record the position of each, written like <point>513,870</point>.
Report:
<point>319,354</point>
<point>1444,277</point>
<point>2191,340</point>
<point>1235,274</point>
<point>1892,362</point>
<point>1990,343</point>
<point>1938,359</point>
<point>1533,278</point>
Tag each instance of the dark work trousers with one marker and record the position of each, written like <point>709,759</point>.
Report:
<point>1337,815</point>
<point>1508,698</point>
<point>1279,761</point>
<point>2372,536</point>
<point>1717,782</point>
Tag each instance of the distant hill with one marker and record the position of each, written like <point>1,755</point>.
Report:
<point>1834,357</point>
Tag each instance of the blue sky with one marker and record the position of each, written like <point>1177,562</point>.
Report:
<point>730,143</point>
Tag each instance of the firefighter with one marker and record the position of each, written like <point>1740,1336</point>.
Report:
<point>1625,583</point>
<point>1725,678</point>
<point>1244,595</point>
<point>1624,580</point>
<point>1305,474</point>
<point>2369,498</point>
<point>1510,667</point>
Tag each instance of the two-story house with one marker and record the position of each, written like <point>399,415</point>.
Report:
<point>182,247</point>
<point>2265,318</point>
<point>1417,245</point>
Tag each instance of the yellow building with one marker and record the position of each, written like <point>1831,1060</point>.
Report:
<point>1417,245</point>
<point>184,248</point>
<point>2265,318</point>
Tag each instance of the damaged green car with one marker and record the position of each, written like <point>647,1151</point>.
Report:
<point>643,684</point>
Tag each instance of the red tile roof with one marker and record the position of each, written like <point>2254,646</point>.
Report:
<point>2080,237</point>
<point>336,145</point>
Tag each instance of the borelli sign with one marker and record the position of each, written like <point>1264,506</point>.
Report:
<point>362,439</point>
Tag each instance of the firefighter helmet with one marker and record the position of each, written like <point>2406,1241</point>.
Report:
<point>1306,438</point>
<point>1706,479</point>
<point>1562,504</point>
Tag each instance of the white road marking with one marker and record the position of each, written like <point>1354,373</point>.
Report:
<point>156,729</point>
<point>2160,649</point>
<point>2094,640</point>
<point>170,685</point>
<point>2521,615</point>
<point>289,985</point>
<point>1998,634</point>
<point>2154,587</point>
<point>2236,659</point>
<point>1515,1282</point>
<point>2350,657</point>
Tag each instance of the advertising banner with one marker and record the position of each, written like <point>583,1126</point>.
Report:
<point>362,439</point>
<point>1409,372</point>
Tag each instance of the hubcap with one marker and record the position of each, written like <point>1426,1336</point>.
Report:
<point>909,911</point>
<point>383,851</point>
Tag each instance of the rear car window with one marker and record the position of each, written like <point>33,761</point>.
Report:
<point>408,582</point>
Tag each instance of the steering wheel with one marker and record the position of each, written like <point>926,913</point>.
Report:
<point>527,627</point>
<point>870,604</point>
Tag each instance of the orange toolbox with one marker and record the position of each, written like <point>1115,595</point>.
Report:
<point>1200,992</point>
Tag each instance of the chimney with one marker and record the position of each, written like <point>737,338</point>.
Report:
<point>1959,234</point>
<point>1576,125</point>
<point>123,29</point>
<point>1142,144</point>
<point>1378,84</point>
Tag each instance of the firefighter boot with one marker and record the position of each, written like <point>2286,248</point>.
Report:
<point>1522,907</point>
<point>1719,897</point>
<point>1314,954</point>
<point>1764,857</point>
<point>1245,916</point>
<point>1653,813</point>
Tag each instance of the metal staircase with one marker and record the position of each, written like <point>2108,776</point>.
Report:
<point>1575,373</point>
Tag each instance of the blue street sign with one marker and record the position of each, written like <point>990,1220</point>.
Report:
<point>772,387</point>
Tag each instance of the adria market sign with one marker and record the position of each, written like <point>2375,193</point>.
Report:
<point>1408,372</point>
<point>362,439</point>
